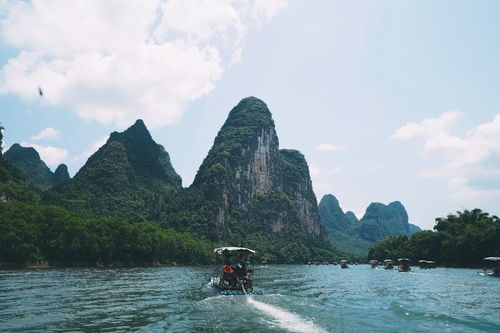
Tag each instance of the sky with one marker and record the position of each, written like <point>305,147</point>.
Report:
<point>387,100</point>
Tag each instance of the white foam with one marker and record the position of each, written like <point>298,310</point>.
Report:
<point>285,319</point>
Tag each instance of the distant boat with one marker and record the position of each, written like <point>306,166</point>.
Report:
<point>426,264</point>
<point>343,264</point>
<point>404,265</point>
<point>388,264</point>
<point>374,263</point>
<point>496,268</point>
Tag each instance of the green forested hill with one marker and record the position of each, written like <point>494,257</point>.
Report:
<point>125,178</point>
<point>32,169</point>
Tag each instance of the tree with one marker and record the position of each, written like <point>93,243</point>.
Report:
<point>1,138</point>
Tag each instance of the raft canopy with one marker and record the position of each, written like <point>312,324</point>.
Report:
<point>233,250</point>
<point>387,260</point>
<point>404,260</point>
<point>492,258</point>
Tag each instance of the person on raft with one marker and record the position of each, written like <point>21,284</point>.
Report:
<point>228,274</point>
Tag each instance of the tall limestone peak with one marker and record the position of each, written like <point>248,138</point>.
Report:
<point>33,169</point>
<point>246,172</point>
<point>381,221</point>
<point>126,177</point>
<point>149,160</point>
<point>61,174</point>
<point>341,228</point>
<point>246,149</point>
<point>332,215</point>
<point>105,185</point>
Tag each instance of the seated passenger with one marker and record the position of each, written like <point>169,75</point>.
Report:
<point>228,273</point>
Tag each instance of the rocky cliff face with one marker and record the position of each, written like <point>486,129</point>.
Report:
<point>246,174</point>
<point>33,170</point>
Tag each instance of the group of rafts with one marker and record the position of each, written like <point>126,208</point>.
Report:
<point>404,265</point>
<point>235,277</point>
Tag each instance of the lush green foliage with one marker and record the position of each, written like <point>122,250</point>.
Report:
<point>461,240</point>
<point>128,177</point>
<point>34,234</point>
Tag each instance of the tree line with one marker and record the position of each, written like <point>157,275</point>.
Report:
<point>34,234</point>
<point>459,240</point>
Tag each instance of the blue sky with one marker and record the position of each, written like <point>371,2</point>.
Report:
<point>388,100</point>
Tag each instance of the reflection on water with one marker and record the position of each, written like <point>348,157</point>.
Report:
<point>296,299</point>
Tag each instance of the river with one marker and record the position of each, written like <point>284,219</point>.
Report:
<point>296,298</point>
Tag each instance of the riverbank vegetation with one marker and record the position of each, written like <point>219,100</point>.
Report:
<point>459,240</point>
<point>31,234</point>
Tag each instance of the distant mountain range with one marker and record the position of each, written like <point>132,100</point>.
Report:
<point>356,236</point>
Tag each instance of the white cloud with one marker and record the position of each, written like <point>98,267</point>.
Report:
<point>52,156</point>
<point>115,61</point>
<point>428,127</point>
<point>470,163</point>
<point>330,147</point>
<point>48,133</point>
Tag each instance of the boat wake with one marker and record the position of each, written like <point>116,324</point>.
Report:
<point>285,319</point>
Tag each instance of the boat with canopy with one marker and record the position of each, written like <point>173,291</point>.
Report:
<point>235,277</point>
<point>404,265</point>
<point>388,264</point>
<point>426,264</point>
<point>496,267</point>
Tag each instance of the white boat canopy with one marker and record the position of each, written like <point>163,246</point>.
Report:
<point>233,249</point>
<point>387,260</point>
<point>492,258</point>
<point>403,259</point>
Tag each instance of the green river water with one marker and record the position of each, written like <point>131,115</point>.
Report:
<point>296,298</point>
